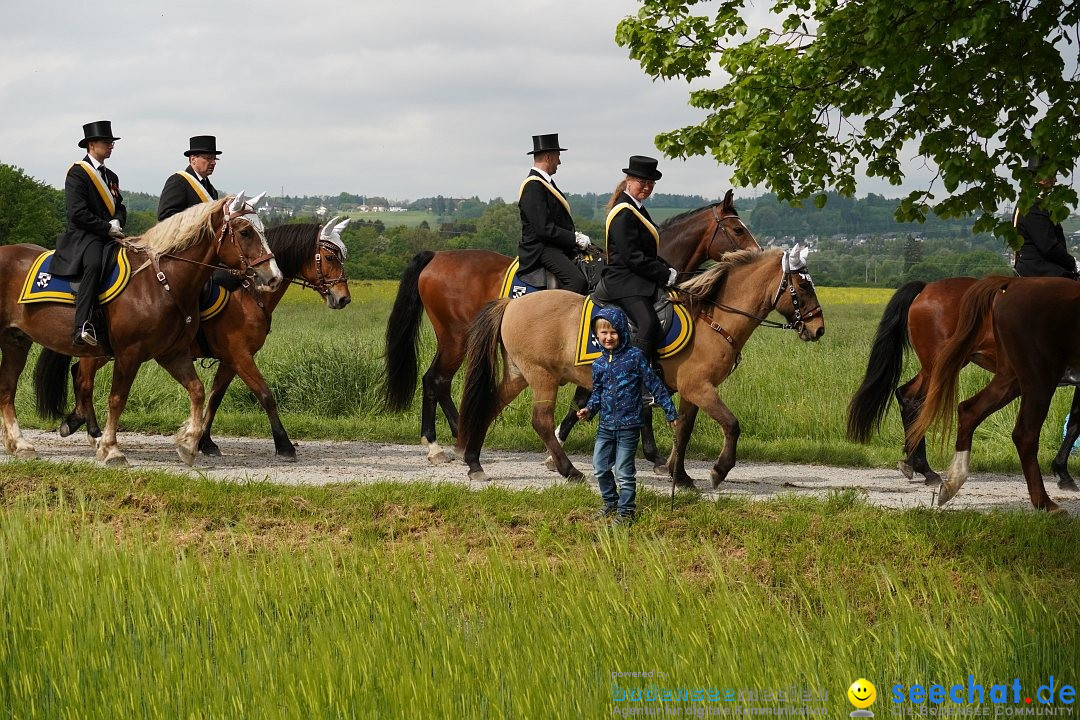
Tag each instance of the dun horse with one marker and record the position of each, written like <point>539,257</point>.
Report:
<point>307,254</point>
<point>154,317</point>
<point>534,339</point>
<point>922,316</point>
<point>452,287</point>
<point>1036,328</point>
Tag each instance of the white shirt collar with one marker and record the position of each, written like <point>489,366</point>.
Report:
<point>93,161</point>
<point>634,199</point>
<point>542,174</point>
<point>195,172</point>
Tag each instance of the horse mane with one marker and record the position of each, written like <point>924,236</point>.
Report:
<point>182,230</point>
<point>708,283</point>
<point>292,245</point>
<point>727,205</point>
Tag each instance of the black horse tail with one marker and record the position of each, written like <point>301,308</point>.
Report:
<point>940,403</point>
<point>480,399</point>
<point>402,333</point>
<point>868,406</point>
<point>51,384</point>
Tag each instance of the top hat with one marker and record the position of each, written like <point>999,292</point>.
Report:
<point>643,167</point>
<point>545,143</point>
<point>202,145</point>
<point>100,130</point>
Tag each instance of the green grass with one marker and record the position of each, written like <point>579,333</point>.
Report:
<point>393,219</point>
<point>142,594</point>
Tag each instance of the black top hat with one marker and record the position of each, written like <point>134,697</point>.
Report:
<point>202,145</point>
<point>545,143</point>
<point>100,130</point>
<point>643,167</point>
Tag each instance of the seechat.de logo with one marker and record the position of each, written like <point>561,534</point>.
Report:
<point>862,695</point>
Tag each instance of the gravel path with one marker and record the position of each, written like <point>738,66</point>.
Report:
<point>320,461</point>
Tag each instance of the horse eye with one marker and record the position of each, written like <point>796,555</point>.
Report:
<point>739,231</point>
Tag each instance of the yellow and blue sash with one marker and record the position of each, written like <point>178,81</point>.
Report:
<point>644,221</point>
<point>197,187</point>
<point>558,195</point>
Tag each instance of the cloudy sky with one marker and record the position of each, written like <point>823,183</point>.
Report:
<point>402,99</point>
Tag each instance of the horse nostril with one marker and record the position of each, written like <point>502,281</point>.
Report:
<point>820,332</point>
<point>344,301</point>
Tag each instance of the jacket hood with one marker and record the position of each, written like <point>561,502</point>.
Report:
<point>618,320</point>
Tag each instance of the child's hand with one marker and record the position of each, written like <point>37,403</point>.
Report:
<point>583,414</point>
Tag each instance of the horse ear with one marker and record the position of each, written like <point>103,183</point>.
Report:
<point>785,262</point>
<point>237,203</point>
<point>803,254</point>
<point>328,229</point>
<point>729,200</point>
<point>341,226</point>
<point>254,202</point>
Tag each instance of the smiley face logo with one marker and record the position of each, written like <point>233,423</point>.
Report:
<point>862,693</point>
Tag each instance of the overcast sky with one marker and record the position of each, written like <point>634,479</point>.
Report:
<point>402,99</point>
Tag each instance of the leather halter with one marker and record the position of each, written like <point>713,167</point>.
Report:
<point>323,284</point>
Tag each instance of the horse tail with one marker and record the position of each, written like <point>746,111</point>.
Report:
<point>868,406</point>
<point>940,403</point>
<point>51,384</point>
<point>402,333</point>
<point>480,398</point>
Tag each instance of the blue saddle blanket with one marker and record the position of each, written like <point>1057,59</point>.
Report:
<point>513,286</point>
<point>42,286</point>
<point>677,337</point>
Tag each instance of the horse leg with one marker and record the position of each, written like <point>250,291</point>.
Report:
<point>1034,406</point>
<point>543,422</point>
<point>648,442</point>
<point>1001,390</point>
<point>708,399</point>
<point>436,385</point>
<point>249,373</point>
<point>581,399</point>
<point>189,434</point>
<point>910,397</point>
<point>74,419</point>
<point>222,378</point>
<point>676,461</point>
<point>15,347</point>
<point>88,368</point>
<point>122,378</point>
<point>511,387</point>
<point>1060,465</point>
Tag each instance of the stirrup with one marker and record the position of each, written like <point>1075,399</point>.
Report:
<point>86,335</point>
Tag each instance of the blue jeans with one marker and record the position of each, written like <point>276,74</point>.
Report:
<point>615,449</point>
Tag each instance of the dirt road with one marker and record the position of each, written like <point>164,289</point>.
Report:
<point>327,461</point>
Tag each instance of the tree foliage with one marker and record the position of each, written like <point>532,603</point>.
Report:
<point>973,87</point>
<point>30,210</point>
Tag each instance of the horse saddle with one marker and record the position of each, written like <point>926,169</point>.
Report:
<point>515,283</point>
<point>41,285</point>
<point>675,322</point>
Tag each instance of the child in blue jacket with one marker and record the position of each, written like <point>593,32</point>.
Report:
<point>617,377</point>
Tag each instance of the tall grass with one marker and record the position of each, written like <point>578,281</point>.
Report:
<point>790,397</point>
<point>129,616</point>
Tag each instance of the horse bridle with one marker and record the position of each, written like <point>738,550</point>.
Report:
<point>786,283</point>
<point>248,266</point>
<point>323,285</point>
<point>720,224</point>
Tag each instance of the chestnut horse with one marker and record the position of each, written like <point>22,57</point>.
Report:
<point>154,317</point>
<point>452,286</point>
<point>922,316</point>
<point>307,254</point>
<point>534,340</point>
<point>1036,328</point>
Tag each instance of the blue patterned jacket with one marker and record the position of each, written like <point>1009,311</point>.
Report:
<point>617,377</point>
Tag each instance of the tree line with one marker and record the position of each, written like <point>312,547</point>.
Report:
<point>856,241</point>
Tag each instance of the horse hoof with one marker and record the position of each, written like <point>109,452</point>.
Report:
<point>478,476</point>
<point>65,429</point>
<point>1069,484</point>
<point>1058,512</point>
<point>687,486</point>
<point>905,469</point>
<point>186,456</point>
<point>25,453</point>
<point>931,479</point>
<point>549,463</point>
<point>576,478</point>
<point>211,450</point>
<point>117,459</point>
<point>946,493</point>
<point>285,456</point>
<point>661,469</point>
<point>438,455</point>
<point>716,478</point>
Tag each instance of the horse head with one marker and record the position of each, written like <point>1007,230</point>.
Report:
<point>326,272</point>
<point>705,234</point>
<point>242,242</point>
<point>800,303</point>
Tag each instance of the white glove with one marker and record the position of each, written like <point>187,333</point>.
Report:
<point>114,229</point>
<point>672,274</point>
<point>582,240</point>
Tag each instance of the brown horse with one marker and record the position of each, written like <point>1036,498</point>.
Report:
<point>1036,327</point>
<point>154,317</point>
<point>922,316</point>
<point>536,337</point>
<point>307,254</point>
<point>452,286</point>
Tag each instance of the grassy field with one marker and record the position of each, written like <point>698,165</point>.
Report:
<point>137,594</point>
<point>790,397</point>
<point>411,218</point>
<point>132,594</point>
